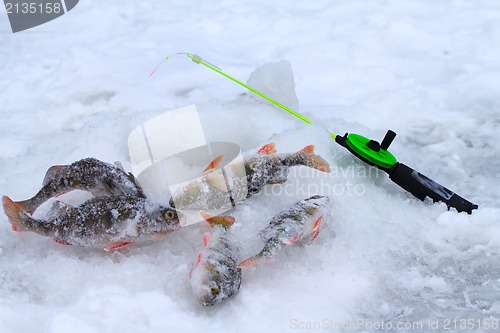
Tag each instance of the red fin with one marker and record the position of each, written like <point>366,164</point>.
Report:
<point>225,221</point>
<point>317,228</point>
<point>292,240</point>
<point>25,206</point>
<point>196,263</point>
<point>206,238</point>
<point>52,172</point>
<point>62,242</point>
<point>316,233</point>
<point>214,163</point>
<point>308,149</point>
<point>254,261</point>
<point>317,162</point>
<point>267,149</point>
<point>13,212</point>
<point>117,246</point>
<point>58,195</point>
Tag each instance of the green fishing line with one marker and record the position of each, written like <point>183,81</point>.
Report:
<point>197,59</point>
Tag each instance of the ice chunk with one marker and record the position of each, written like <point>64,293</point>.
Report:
<point>276,81</point>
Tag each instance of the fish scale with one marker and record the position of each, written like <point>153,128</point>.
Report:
<point>92,224</point>
<point>89,174</point>
<point>286,228</point>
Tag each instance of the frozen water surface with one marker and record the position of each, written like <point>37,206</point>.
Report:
<point>75,88</point>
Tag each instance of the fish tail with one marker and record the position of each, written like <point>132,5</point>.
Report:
<point>26,206</point>
<point>14,213</point>
<point>255,260</point>
<point>315,161</point>
<point>225,221</point>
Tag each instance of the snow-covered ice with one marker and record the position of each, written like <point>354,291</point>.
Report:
<point>76,86</point>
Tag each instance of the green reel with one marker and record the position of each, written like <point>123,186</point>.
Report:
<point>370,151</point>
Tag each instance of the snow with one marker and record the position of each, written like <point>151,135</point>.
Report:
<point>76,86</point>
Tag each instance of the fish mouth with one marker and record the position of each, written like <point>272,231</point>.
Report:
<point>207,303</point>
<point>203,293</point>
<point>208,300</point>
<point>171,202</point>
<point>169,227</point>
<point>321,200</point>
<point>204,296</point>
<point>175,225</point>
<point>166,232</point>
<point>180,218</point>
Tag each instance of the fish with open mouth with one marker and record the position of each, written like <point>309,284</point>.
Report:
<point>302,219</point>
<point>89,174</point>
<point>214,275</point>
<point>263,168</point>
<point>104,222</point>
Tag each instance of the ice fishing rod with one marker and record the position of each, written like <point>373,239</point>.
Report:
<point>369,151</point>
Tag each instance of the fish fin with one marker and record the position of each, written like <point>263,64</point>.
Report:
<point>278,181</point>
<point>267,149</point>
<point>62,242</point>
<point>196,263</point>
<point>316,233</point>
<point>217,181</point>
<point>108,187</point>
<point>52,172</point>
<point>119,165</point>
<point>13,212</point>
<point>134,180</point>
<point>25,206</point>
<point>171,202</point>
<point>214,163</point>
<point>206,238</point>
<point>60,206</point>
<point>292,240</point>
<point>116,246</point>
<point>57,208</point>
<point>308,149</point>
<point>317,162</point>
<point>59,194</point>
<point>254,261</point>
<point>316,228</point>
<point>317,224</point>
<point>213,220</point>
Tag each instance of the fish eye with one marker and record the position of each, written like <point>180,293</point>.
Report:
<point>169,214</point>
<point>253,164</point>
<point>214,288</point>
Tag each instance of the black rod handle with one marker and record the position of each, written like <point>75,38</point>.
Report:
<point>422,187</point>
<point>388,138</point>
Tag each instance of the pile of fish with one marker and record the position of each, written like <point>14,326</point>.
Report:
<point>119,214</point>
